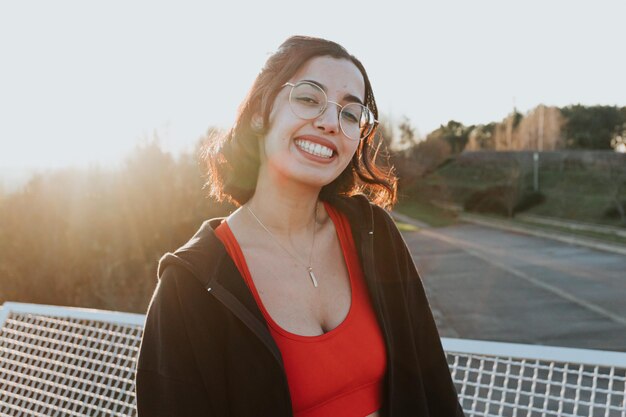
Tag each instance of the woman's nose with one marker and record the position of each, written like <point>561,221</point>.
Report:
<point>328,121</point>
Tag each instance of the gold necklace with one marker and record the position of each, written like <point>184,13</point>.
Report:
<point>308,268</point>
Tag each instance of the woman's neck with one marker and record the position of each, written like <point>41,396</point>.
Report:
<point>286,207</point>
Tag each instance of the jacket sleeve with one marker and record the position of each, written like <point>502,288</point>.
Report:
<point>168,381</point>
<point>440,390</point>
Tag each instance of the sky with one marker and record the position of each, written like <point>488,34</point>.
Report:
<point>84,82</point>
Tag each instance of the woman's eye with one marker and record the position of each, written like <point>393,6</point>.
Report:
<point>307,100</point>
<point>349,117</point>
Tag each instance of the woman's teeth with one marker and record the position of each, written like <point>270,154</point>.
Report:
<point>314,148</point>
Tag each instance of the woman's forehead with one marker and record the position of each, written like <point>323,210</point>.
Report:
<point>336,75</point>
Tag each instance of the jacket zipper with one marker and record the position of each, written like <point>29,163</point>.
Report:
<point>256,326</point>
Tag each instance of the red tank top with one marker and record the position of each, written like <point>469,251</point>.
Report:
<point>339,373</point>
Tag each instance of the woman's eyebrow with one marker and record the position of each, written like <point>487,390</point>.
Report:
<point>347,97</point>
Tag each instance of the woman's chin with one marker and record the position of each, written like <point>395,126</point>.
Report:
<point>304,177</point>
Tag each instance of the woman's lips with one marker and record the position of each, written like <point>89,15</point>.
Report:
<point>314,157</point>
<point>319,140</point>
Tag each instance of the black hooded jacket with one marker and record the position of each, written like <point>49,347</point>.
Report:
<point>207,351</point>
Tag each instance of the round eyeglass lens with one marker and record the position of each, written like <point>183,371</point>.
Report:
<point>356,121</point>
<point>307,100</point>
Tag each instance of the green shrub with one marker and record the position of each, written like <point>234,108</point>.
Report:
<point>495,200</point>
<point>528,200</point>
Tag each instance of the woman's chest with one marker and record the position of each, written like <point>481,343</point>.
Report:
<point>287,292</point>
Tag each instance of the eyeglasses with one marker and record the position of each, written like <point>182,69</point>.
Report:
<point>308,101</point>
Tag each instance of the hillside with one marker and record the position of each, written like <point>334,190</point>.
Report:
<point>585,186</point>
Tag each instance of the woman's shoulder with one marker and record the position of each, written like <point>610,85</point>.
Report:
<point>197,258</point>
<point>383,224</point>
<point>180,298</point>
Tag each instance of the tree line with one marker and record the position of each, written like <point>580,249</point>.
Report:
<point>92,237</point>
<point>574,127</point>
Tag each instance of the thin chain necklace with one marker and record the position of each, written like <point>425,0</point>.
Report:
<point>308,268</point>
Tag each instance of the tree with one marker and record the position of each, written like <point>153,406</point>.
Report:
<point>455,134</point>
<point>482,137</point>
<point>408,135</point>
<point>591,127</point>
<point>618,141</point>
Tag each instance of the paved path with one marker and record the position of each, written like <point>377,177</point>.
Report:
<point>490,284</point>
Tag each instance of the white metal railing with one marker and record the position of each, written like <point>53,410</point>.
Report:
<point>508,379</point>
<point>63,361</point>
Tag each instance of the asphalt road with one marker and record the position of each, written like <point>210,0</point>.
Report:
<point>489,284</point>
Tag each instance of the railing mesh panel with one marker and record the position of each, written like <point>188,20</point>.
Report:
<point>499,386</point>
<point>53,366</point>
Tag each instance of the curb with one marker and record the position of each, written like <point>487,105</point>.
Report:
<point>561,237</point>
<point>572,224</point>
<point>408,219</point>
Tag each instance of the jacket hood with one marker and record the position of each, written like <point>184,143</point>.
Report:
<point>202,252</point>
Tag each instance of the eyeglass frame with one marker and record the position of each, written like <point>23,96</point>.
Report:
<point>374,123</point>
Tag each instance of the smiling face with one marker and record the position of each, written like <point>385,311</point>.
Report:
<point>296,149</point>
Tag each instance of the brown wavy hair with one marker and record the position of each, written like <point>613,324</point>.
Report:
<point>232,158</point>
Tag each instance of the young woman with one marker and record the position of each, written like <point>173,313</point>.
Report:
<point>304,301</point>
